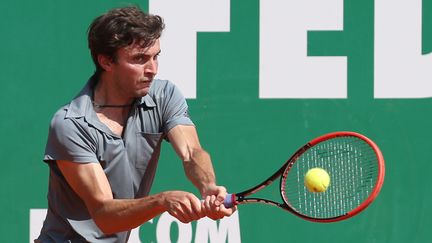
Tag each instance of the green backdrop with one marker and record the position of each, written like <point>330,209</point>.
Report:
<point>44,62</point>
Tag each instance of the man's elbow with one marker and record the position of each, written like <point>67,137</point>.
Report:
<point>107,230</point>
<point>103,221</point>
<point>108,227</point>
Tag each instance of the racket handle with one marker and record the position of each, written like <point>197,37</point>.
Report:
<point>229,201</point>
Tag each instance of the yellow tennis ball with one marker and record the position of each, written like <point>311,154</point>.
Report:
<point>317,180</point>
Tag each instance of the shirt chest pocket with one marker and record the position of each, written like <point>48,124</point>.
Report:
<point>147,148</point>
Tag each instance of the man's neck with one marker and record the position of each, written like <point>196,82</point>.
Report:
<point>110,106</point>
<point>107,95</point>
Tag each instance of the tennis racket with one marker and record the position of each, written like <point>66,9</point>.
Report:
<point>356,168</point>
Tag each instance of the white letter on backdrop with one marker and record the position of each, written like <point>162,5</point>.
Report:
<point>285,69</point>
<point>134,235</point>
<point>37,217</point>
<point>163,230</point>
<point>228,231</point>
<point>400,69</point>
<point>183,20</point>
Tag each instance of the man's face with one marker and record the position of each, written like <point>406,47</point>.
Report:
<point>134,69</point>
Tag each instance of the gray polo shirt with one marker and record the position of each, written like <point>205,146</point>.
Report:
<point>129,162</point>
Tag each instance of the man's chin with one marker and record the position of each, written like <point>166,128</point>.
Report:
<point>143,92</point>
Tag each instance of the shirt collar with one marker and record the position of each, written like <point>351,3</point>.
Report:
<point>147,101</point>
<point>81,103</point>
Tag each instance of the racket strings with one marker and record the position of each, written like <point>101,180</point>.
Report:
<point>351,164</point>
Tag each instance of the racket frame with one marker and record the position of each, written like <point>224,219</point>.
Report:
<point>241,197</point>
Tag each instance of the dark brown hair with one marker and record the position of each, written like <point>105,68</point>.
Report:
<point>121,27</point>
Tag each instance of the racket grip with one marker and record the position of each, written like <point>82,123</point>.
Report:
<point>229,201</point>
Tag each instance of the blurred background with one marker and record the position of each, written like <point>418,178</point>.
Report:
<point>262,78</point>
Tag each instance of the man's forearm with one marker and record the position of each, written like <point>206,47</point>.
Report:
<point>118,215</point>
<point>199,170</point>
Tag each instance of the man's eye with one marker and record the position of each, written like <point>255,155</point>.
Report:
<point>139,59</point>
<point>156,56</point>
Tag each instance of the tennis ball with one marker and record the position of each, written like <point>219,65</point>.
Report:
<point>317,180</point>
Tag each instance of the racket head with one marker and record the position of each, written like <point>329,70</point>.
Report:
<point>356,168</point>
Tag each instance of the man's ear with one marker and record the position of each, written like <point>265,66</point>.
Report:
<point>105,62</point>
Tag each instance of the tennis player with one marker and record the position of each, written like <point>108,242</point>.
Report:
<point>103,146</point>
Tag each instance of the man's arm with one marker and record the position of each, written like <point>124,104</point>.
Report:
<point>199,169</point>
<point>115,215</point>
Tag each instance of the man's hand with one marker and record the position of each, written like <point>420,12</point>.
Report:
<point>184,206</point>
<point>213,206</point>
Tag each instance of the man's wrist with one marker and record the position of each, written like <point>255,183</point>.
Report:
<point>208,189</point>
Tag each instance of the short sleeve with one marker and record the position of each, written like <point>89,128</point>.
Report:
<point>69,139</point>
<point>175,108</point>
